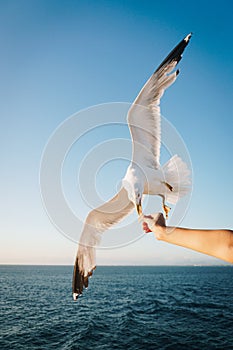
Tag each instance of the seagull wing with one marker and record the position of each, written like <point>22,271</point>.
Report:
<point>97,221</point>
<point>144,115</point>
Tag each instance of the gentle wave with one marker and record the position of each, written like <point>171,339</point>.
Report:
<point>124,307</point>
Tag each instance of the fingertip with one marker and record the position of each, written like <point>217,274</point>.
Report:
<point>146,228</point>
<point>148,217</point>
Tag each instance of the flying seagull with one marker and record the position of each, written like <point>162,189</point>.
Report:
<point>144,175</point>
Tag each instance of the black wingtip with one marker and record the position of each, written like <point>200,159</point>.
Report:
<point>79,280</point>
<point>176,54</point>
<point>188,37</point>
<point>75,296</point>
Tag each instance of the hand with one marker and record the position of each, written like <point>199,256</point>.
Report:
<point>155,223</point>
<point>147,222</point>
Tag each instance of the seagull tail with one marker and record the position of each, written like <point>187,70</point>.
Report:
<point>177,175</point>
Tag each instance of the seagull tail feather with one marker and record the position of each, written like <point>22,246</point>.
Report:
<point>177,174</point>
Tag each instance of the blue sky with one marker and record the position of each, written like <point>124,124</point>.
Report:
<point>59,57</point>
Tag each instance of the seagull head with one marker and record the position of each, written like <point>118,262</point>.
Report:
<point>134,194</point>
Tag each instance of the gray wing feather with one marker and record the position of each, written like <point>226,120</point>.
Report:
<point>144,117</point>
<point>97,221</point>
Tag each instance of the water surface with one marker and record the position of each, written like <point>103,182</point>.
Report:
<point>124,308</point>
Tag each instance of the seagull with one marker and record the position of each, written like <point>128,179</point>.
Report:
<point>144,176</point>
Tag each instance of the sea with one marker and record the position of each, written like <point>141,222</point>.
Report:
<point>125,307</point>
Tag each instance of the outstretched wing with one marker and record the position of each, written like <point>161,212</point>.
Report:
<point>144,114</point>
<point>97,221</point>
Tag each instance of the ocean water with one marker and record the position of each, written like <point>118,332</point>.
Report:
<point>123,308</point>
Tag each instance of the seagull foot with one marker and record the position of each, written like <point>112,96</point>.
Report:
<point>166,210</point>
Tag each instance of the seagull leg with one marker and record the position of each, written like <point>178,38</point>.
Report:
<point>166,210</point>
<point>165,207</point>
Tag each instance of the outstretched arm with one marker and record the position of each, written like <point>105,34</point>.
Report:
<point>217,243</point>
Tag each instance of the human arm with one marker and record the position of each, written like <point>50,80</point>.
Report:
<point>217,243</point>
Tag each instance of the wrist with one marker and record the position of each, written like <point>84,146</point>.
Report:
<point>160,232</point>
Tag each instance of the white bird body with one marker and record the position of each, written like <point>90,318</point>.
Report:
<point>155,181</point>
<point>144,175</point>
<point>147,181</point>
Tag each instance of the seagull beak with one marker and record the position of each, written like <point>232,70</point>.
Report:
<point>139,208</point>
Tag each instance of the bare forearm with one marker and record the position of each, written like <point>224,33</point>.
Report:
<point>217,243</point>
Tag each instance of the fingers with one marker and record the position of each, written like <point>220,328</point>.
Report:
<point>149,222</point>
<point>145,227</point>
<point>148,216</point>
<point>142,218</point>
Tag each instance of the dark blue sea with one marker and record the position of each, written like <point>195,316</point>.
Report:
<point>123,308</point>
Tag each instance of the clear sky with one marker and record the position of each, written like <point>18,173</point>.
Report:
<point>58,57</point>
